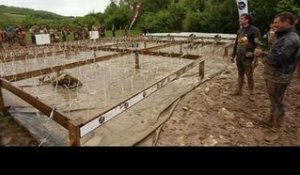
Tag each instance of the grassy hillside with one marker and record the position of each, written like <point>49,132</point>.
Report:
<point>29,12</point>
<point>27,17</point>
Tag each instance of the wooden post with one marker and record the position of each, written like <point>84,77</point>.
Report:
<point>74,134</point>
<point>225,51</point>
<point>94,52</point>
<point>137,61</point>
<point>201,69</point>
<point>180,49</point>
<point>65,54</point>
<point>145,44</point>
<point>1,100</point>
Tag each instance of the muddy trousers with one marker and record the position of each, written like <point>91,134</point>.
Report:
<point>298,70</point>
<point>244,66</point>
<point>250,82</point>
<point>276,93</point>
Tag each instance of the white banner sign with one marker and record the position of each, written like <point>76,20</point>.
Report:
<point>42,39</point>
<point>94,35</point>
<point>242,6</point>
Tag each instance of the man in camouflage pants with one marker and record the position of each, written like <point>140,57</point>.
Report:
<point>246,41</point>
<point>280,64</point>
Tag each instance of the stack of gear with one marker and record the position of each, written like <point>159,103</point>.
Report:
<point>217,38</point>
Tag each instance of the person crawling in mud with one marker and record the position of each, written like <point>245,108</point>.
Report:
<point>66,80</point>
<point>62,79</point>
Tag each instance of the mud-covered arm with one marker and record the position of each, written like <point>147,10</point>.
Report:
<point>256,39</point>
<point>235,47</point>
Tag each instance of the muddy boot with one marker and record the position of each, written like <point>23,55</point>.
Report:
<point>269,121</point>
<point>238,91</point>
<point>251,92</point>
<point>274,133</point>
<point>251,88</point>
<point>277,122</point>
<point>272,136</point>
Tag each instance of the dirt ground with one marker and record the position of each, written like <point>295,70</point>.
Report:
<point>12,134</point>
<point>210,116</point>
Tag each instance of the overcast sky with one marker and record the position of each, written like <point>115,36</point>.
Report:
<point>61,7</point>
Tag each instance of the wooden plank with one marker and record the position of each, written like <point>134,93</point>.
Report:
<point>137,60</point>
<point>173,55</point>
<point>157,47</point>
<point>74,134</point>
<point>26,56</point>
<point>22,57</point>
<point>96,47</point>
<point>131,101</point>
<point>25,75</point>
<point>35,102</point>
<point>133,49</point>
<point>99,120</point>
<point>201,70</point>
<point>114,49</point>
<point>225,51</point>
<point>40,55</point>
<point>36,73</point>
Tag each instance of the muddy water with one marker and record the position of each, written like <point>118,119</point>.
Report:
<point>105,84</point>
<point>15,67</point>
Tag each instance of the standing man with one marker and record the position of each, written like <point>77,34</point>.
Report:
<point>35,29</point>
<point>298,67</point>
<point>246,41</point>
<point>86,32</point>
<point>21,35</point>
<point>113,30</point>
<point>126,31</point>
<point>280,64</point>
<point>65,33</point>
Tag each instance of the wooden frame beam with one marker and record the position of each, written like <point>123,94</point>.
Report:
<point>74,134</point>
<point>35,102</point>
<point>107,115</point>
<point>25,75</point>
<point>79,129</point>
<point>40,55</point>
<point>36,73</point>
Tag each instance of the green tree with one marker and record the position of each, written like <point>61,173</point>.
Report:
<point>177,16</point>
<point>289,6</point>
